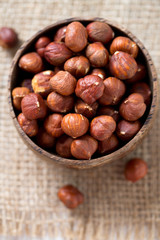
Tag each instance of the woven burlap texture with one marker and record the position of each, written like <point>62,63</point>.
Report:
<point>113,208</point>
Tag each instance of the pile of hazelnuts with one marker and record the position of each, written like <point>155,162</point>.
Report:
<point>87,95</point>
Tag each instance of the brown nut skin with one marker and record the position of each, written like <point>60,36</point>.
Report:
<point>33,106</point>
<point>127,130</point>
<point>63,83</point>
<point>70,196</point>
<point>99,72</point>
<point>122,65</point>
<point>109,145</point>
<point>77,66</point>
<point>84,147</point>
<point>99,32</point>
<point>109,111</point>
<point>41,82</point>
<point>31,62</point>
<point>114,89</point>
<point>60,34</point>
<point>124,44</point>
<point>52,125</point>
<point>85,109</point>
<point>40,45</point>
<point>30,127</point>
<point>75,125</point>
<point>139,75</point>
<point>63,146</point>
<point>102,127</point>
<point>135,169</point>
<point>27,83</point>
<point>133,107</point>
<point>59,103</point>
<point>56,53</point>
<point>76,37</point>
<point>8,37</point>
<point>143,89</point>
<point>97,54</point>
<point>45,140</point>
<point>18,94</point>
<point>90,88</point>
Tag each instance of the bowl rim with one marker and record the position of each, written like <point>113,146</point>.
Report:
<point>118,154</point>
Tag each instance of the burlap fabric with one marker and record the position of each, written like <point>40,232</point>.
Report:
<point>113,208</point>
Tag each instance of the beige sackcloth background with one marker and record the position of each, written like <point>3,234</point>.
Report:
<point>114,209</point>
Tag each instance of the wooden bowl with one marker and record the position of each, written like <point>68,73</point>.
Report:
<point>15,77</point>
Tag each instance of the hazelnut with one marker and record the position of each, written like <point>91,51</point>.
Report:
<point>122,65</point>
<point>97,54</point>
<point>133,107</point>
<point>85,109</point>
<point>41,82</point>
<point>18,94</point>
<point>70,196</point>
<point>63,146</point>
<point>139,75</point>
<point>45,140</point>
<point>52,125</point>
<point>76,36</point>
<point>56,53</point>
<point>59,103</point>
<point>63,83</point>
<point>84,147</point>
<point>90,88</point>
<point>33,106</point>
<point>99,72</point>
<point>99,32</point>
<point>31,62</point>
<point>124,44</point>
<point>60,34</point>
<point>109,111</point>
<point>102,127</point>
<point>114,89</point>
<point>28,84</point>
<point>40,45</point>
<point>143,89</point>
<point>127,130</point>
<point>8,37</point>
<point>78,66</point>
<point>30,127</point>
<point>109,145</point>
<point>135,169</point>
<point>75,125</point>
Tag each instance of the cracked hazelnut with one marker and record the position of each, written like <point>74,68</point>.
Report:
<point>18,94</point>
<point>59,103</point>
<point>102,127</point>
<point>75,125</point>
<point>63,146</point>
<point>122,65</point>
<point>63,83</point>
<point>41,82</point>
<point>60,34</point>
<point>33,106</point>
<point>28,84</point>
<point>97,54</point>
<point>52,125</point>
<point>109,145</point>
<point>40,45</point>
<point>135,169</point>
<point>99,72</point>
<point>143,89</point>
<point>78,66</point>
<point>31,62</point>
<point>90,88</point>
<point>84,147</point>
<point>109,111</point>
<point>8,37</point>
<point>99,32</point>
<point>127,130</point>
<point>124,44</point>
<point>114,89</point>
<point>139,75</point>
<point>45,140</point>
<point>85,109</point>
<point>70,196</point>
<point>76,36</point>
<point>56,53</point>
<point>133,107</point>
<point>30,127</point>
